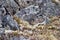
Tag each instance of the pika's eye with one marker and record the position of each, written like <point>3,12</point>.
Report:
<point>3,11</point>
<point>28,2</point>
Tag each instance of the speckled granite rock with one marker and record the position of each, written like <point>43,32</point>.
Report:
<point>30,19</point>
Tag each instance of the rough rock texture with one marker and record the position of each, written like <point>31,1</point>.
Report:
<point>29,19</point>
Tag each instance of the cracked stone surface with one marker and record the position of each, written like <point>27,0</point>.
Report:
<point>29,19</point>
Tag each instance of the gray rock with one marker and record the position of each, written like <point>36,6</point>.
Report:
<point>8,20</point>
<point>2,30</point>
